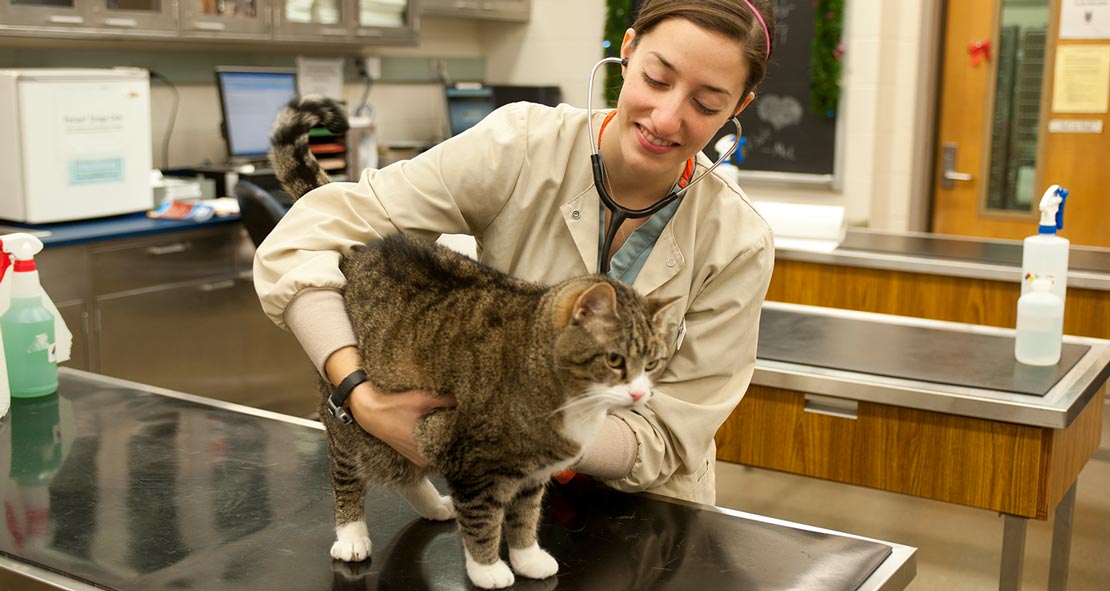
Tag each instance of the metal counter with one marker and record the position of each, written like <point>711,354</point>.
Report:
<point>119,486</point>
<point>937,254</point>
<point>966,389</point>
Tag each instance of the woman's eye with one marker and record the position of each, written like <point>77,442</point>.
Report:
<point>615,361</point>
<point>651,365</point>
<point>653,82</point>
<point>705,110</point>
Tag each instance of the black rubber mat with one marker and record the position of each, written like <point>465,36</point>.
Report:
<point>913,353</point>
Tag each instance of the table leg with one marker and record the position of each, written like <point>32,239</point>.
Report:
<point>1013,552</point>
<point>1061,541</point>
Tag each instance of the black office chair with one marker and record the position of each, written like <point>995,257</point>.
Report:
<point>258,209</point>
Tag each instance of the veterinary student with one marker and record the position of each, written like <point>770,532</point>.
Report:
<point>521,182</point>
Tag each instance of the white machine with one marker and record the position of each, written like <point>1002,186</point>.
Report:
<point>74,143</point>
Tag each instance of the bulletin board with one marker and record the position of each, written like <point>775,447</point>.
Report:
<point>782,134</point>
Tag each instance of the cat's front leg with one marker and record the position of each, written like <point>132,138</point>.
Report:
<point>480,514</point>
<point>522,518</point>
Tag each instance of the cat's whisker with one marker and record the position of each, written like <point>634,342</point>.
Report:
<point>571,405</point>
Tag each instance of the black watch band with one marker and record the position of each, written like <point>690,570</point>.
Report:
<point>339,396</point>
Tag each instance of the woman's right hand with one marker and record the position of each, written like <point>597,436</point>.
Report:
<point>393,417</point>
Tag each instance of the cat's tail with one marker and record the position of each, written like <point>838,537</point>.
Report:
<point>294,165</point>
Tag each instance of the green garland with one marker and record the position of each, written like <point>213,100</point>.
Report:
<point>825,54</point>
<point>617,22</point>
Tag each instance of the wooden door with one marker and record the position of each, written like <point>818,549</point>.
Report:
<point>987,120</point>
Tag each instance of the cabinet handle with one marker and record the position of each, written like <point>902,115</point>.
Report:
<point>217,286</point>
<point>128,23</point>
<point>832,406</point>
<point>65,19</point>
<point>167,249</point>
<point>209,26</point>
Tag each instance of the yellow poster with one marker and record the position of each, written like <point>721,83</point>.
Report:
<point>1082,79</point>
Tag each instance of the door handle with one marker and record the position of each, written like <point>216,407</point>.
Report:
<point>948,174</point>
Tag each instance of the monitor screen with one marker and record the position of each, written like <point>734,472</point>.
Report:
<point>467,104</point>
<point>250,99</point>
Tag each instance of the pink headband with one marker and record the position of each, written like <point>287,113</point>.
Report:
<point>766,33</point>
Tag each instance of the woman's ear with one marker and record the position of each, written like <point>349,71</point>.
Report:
<point>744,104</point>
<point>626,44</point>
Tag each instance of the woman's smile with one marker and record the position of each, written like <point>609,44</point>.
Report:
<point>652,143</point>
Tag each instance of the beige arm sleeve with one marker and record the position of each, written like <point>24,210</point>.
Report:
<point>457,187</point>
<point>319,320</point>
<point>612,454</point>
<point>704,380</point>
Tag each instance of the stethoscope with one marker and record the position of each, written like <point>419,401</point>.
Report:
<point>617,212</point>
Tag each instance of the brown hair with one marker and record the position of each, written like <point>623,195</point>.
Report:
<point>731,18</point>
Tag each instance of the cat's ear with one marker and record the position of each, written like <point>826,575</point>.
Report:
<point>599,301</point>
<point>666,313</point>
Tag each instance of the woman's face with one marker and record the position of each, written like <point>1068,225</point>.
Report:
<point>682,83</point>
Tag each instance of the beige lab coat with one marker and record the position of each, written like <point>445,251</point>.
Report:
<point>520,182</point>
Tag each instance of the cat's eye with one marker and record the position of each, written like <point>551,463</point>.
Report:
<point>651,365</point>
<point>615,361</point>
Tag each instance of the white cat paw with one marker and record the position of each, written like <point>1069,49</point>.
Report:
<point>352,543</point>
<point>489,576</point>
<point>443,511</point>
<point>533,562</point>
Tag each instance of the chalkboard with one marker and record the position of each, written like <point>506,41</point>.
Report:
<point>782,133</point>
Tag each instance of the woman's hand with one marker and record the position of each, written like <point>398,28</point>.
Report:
<point>389,417</point>
<point>393,417</point>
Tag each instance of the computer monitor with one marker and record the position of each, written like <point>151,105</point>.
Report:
<point>467,104</point>
<point>250,99</point>
<point>504,94</point>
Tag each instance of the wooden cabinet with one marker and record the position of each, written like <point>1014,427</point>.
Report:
<point>504,10</point>
<point>1007,467</point>
<point>178,311</point>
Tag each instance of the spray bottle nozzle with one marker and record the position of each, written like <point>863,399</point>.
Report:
<point>1052,209</point>
<point>21,246</point>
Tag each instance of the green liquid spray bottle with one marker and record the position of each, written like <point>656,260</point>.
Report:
<point>28,325</point>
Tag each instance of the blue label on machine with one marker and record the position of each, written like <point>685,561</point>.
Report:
<point>83,172</point>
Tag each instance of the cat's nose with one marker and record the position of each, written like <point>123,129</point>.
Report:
<point>636,395</point>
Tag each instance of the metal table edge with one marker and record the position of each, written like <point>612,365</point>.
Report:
<point>894,573</point>
<point>1057,409</point>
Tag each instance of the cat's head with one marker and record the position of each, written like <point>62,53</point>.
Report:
<point>613,343</point>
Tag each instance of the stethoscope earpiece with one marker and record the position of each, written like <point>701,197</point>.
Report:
<point>624,61</point>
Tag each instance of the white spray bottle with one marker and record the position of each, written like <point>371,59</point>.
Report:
<point>35,339</point>
<point>1045,254</point>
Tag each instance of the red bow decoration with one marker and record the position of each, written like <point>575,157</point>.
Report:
<point>979,50</point>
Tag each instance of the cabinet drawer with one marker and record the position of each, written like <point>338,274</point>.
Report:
<point>163,260</point>
<point>974,462</point>
<point>64,272</point>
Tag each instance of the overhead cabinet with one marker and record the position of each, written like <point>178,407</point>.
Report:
<point>359,21</point>
<point>68,17</point>
<point>322,22</point>
<point>504,10</point>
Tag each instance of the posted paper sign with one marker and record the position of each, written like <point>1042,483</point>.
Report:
<point>1082,79</point>
<point>320,76</point>
<point>1085,19</point>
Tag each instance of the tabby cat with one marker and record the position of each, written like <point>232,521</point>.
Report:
<point>534,369</point>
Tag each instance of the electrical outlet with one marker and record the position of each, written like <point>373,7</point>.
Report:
<point>373,65</point>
